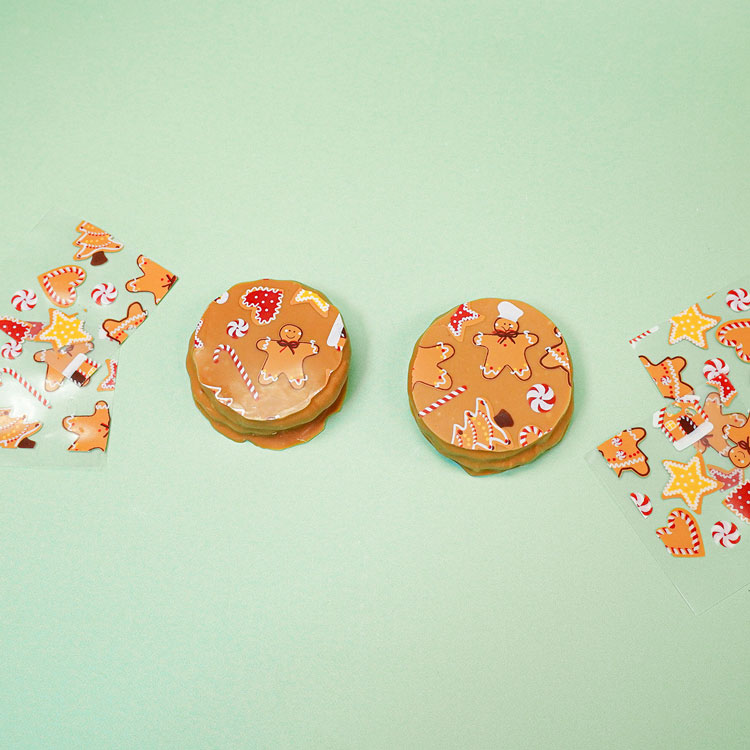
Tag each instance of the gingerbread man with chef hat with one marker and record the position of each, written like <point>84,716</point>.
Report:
<point>506,345</point>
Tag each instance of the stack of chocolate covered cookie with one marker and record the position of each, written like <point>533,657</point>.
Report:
<point>490,384</point>
<point>268,362</point>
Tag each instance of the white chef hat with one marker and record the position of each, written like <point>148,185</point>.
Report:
<point>509,311</point>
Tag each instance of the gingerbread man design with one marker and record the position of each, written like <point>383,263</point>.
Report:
<point>69,362</point>
<point>92,430</point>
<point>721,422</point>
<point>154,279</point>
<point>286,356</point>
<point>506,345</point>
<point>739,454</point>
<point>623,454</point>
<point>667,376</point>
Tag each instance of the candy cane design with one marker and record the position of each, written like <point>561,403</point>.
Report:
<point>25,383</point>
<point>738,299</point>
<point>643,503</point>
<point>197,343</point>
<point>529,434</point>
<point>238,364</point>
<point>716,372</point>
<point>79,273</point>
<point>642,336</point>
<point>444,400</point>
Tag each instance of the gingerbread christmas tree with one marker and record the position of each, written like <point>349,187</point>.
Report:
<point>94,243</point>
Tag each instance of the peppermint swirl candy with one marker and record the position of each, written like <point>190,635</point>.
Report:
<point>738,299</point>
<point>23,300</point>
<point>725,534</point>
<point>715,367</point>
<point>541,398</point>
<point>237,328</point>
<point>11,349</point>
<point>104,293</point>
<point>642,502</point>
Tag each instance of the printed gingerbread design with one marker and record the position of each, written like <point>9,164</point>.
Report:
<point>60,284</point>
<point>506,344</point>
<point>738,501</point>
<point>266,375</point>
<point>727,479</point>
<point>286,356</point>
<point>622,453</point>
<point>16,432</point>
<point>667,376</point>
<point>69,362</point>
<point>428,369</point>
<point>681,536</point>
<point>716,372</point>
<point>313,298</point>
<point>110,379</point>
<point>63,330</point>
<point>118,330</point>
<point>684,422</point>
<point>93,243</point>
<point>691,325</point>
<point>493,364</point>
<point>736,334</point>
<point>689,481</point>
<point>720,422</point>
<point>739,454</point>
<point>154,279</point>
<point>91,430</point>
<point>20,330</point>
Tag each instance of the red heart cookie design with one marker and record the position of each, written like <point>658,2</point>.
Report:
<point>266,302</point>
<point>60,284</point>
<point>736,333</point>
<point>681,536</point>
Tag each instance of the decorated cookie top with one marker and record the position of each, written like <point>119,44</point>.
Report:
<point>267,347</point>
<point>491,375</point>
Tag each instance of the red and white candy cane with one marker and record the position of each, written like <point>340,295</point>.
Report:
<point>238,364</point>
<point>528,434</point>
<point>444,400</point>
<point>25,383</point>
<point>79,273</point>
<point>642,336</point>
<point>643,503</point>
<point>716,372</point>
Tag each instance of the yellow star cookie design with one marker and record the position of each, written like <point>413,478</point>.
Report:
<point>691,325</point>
<point>689,482</point>
<point>63,330</point>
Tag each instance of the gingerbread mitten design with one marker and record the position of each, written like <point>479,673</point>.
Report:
<point>69,362</point>
<point>667,376</point>
<point>286,356</point>
<point>154,279</point>
<point>427,366</point>
<point>16,431</point>
<point>92,430</point>
<point>623,454</point>
<point>506,345</point>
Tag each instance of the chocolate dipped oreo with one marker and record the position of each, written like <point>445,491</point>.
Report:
<point>491,384</point>
<point>268,362</point>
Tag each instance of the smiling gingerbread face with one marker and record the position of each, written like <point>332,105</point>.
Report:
<point>290,333</point>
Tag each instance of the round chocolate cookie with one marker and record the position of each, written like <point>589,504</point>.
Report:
<point>491,384</point>
<point>268,362</point>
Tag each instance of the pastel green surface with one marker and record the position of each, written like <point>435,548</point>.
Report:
<point>361,591</point>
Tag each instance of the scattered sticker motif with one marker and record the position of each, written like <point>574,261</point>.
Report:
<point>727,479</point>
<point>60,284</point>
<point>285,356</point>
<point>716,373</point>
<point>11,349</point>
<point>739,455</point>
<point>25,384</point>
<point>91,430</point>
<point>529,434</point>
<point>691,325</point>
<point>264,301</point>
<point>238,364</point>
<point>222,298</point>
<point>20,330</point>
<point>110,379</point>
<point>24,300</point>
<point>689,482</point>
<point>69,362</point>
<point>318,303</point>
<point>506,345</point>
<point>738,300</point>
<point>462,316</point>
<point>93,243</point>
<point>63,330</point>
<point>721,422</point>
<point>541,398</point>
<point>15,432</point>
<point>623,454</point>
<point>337,334</point>
<point>736,334</point>
<point>681,536</point>
<point>238,328</point>
<point>154,279</point>
<point>104,293</point>
<point>428,369</point>
<point>197,342</point>
<point>118,330</point>
<point>725,534</point>
<point>667,375</point>
<point>643,503</point>
<point>557,356</point>
<point>441,401</point>
<point>479,431</point>
<point>642,336</point>
<point>684,422</point>
<point>738,501</point>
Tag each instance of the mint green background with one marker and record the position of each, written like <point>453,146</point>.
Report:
<point>361,591</point>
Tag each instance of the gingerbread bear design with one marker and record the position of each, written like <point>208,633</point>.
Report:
<point>506,345</point>
<point>623,454</point>
<point>92,430</point>
<point>69,362</point>
<point>286,356</point>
